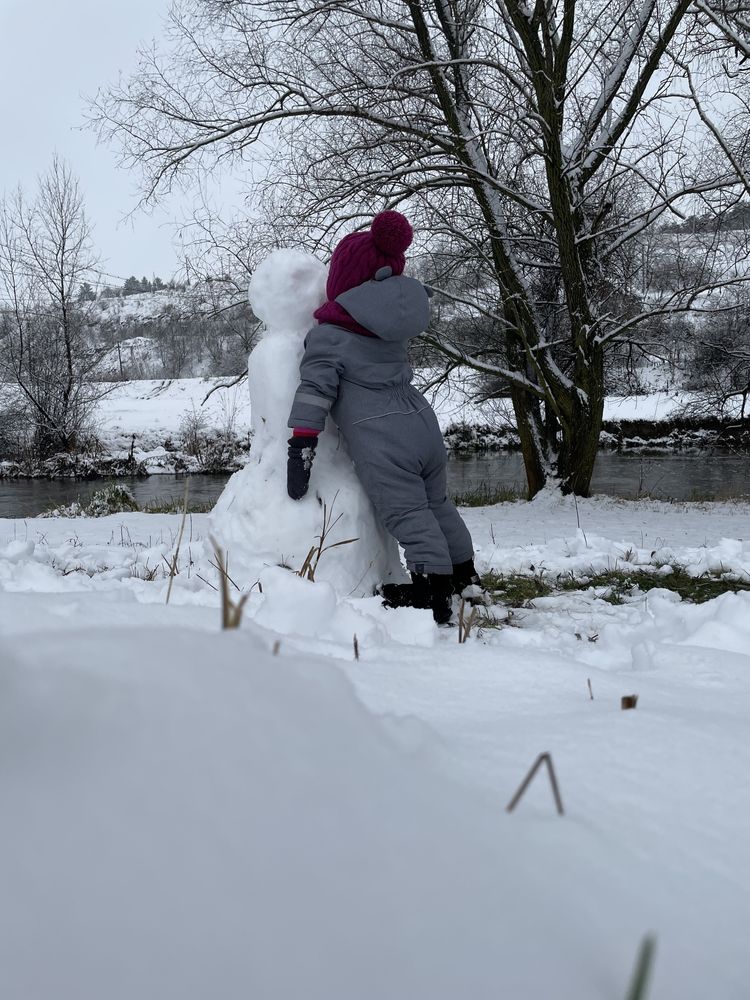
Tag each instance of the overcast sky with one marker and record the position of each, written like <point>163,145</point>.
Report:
<point>52,53</point>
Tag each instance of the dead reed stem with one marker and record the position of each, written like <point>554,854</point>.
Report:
<point>231,611</point>
<point>310,566</point>
<point>642,971</point>
<point>465,625</point>
<point>173,567</point>
<point>543,758</point>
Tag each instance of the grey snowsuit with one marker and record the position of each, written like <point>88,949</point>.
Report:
<point>390,429</point>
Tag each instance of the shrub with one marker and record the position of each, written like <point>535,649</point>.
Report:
<point>112,499</point>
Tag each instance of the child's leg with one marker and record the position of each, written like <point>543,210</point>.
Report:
<point>400,501</point>
<point>454,530</point>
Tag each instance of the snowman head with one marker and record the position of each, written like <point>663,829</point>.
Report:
<point>285,290</point>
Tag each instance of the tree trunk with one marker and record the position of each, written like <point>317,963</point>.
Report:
<point>580,433</point>
<point>533,446</point>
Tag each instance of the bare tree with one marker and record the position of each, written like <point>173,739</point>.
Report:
<point>537,143</point>
<point>720,381</point>
<point>45,357</point>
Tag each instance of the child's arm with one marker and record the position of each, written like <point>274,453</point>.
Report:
<point>317,392</point>
<point>319,370</point>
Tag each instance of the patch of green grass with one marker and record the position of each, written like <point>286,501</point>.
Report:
<point>516,590</point>
<point>696,589</point>
<point>171,505</point>
<point>486,495</point>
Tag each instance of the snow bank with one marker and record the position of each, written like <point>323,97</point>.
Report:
<point>186,814</point>
<point>564,536</point>
<point>219,822</point>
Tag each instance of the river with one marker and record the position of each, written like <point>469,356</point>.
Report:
<point>669,476</point>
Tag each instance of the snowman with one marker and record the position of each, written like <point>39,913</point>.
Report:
<point>333,534</point>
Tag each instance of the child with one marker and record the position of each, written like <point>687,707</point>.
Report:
<point>356,367</point>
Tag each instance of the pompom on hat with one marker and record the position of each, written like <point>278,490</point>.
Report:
<point>359,256</point>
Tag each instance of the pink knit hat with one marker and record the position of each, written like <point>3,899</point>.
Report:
<point>359,256</point>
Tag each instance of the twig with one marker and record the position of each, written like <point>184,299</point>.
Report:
<point>543,758</point>
<point>591,693</point>
<point>642,971</point>
<point>231,611</point>
<point>578,521</point>
<point>173,567</point>
<point>310,566</point>
<point>225,570</point>
<point>465,625</point>
<point>225,385</point>
<point>356,647</point>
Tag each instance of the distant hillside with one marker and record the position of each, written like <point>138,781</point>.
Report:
<point>195,331</point>
<point>734,219</point>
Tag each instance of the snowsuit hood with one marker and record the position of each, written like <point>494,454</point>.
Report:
<point>393,307</point>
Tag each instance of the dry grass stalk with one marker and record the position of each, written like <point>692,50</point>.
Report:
<point>543,758</point>
<point>176,556</point>
<point>465,625</point>
<point>231,610</point>
<point>591,691</point>
<point>642,971</point>
<point>356,647</point>
<point>312,559</point>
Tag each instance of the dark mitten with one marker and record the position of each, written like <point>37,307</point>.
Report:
<point>298,465</point>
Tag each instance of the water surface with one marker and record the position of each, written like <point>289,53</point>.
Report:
<point>677,477</point>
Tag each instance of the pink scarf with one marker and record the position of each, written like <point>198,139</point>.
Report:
<point>332,312</point>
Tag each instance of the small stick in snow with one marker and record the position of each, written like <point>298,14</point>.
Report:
<point>642,970</point>
<point>591,693</point>
<point>356,647</point>
<point>543,758</point>
<point>578,521</point>
<point>628,701</point>
<point>173,567</point>
<point>465,625</point>
<point>276,647</point>
<point>231,611</point>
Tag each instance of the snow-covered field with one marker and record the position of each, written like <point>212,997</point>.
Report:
<point>188,812</point>
<point>154,409</point>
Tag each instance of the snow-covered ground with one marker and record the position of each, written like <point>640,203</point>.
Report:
<point>314,805</point>
<point>191,813</point>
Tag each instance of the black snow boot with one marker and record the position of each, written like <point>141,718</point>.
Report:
<point>407,595</point>
<point>441,594</point>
